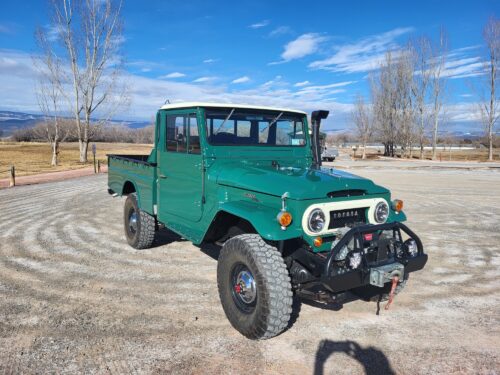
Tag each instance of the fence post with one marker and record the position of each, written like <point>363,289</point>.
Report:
<point>12,176</point>
<point>98,166</point>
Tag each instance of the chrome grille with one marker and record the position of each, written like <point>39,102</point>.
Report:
<point>342,218</point>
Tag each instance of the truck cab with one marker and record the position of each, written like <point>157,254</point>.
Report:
<point>250,179</point>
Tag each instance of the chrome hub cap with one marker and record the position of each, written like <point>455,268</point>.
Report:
<point>244,287</point>
<point>132,221</point>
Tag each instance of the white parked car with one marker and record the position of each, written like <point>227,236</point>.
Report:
<point>329,154</point>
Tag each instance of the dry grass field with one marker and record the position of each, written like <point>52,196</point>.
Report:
<point>31,158</point>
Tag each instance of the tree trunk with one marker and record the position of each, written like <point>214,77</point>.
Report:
<point>84,146</point>
<point>490,151</point>
<point>364,151</point>
<point>55,152</point>
<point>434,138</point>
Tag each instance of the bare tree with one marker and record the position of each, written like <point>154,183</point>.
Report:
<point>436,69</point>
<point>362,119</point>
<point>90,34</point>
<point>384,107</point>
<point>48,93</point>
<point>421,53</point>
<point>403,97</point>
<point>490,101</point>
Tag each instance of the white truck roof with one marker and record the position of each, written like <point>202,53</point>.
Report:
<point>226,105</point>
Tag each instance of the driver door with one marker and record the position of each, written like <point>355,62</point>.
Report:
<point>180,167</point>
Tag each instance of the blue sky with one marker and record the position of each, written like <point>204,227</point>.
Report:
<point>304,55</point>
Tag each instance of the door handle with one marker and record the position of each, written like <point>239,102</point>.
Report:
<point>163,176</point>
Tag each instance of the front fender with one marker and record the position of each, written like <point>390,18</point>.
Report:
<point>262,218</point>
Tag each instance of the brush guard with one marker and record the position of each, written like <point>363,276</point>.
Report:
<point>376,273</point>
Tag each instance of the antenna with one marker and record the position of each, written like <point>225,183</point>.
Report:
<point>167,101</point>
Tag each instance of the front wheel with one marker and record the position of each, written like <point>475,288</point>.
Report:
<point>139,225</point>
<point>254,287</point>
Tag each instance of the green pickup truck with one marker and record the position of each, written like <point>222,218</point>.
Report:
<point>250,180</point>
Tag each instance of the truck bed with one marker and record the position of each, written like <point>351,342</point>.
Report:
<point>133,171</point>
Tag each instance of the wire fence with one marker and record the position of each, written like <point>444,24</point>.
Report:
<point>13,172</point>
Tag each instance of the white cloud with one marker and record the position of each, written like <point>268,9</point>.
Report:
<point>363,55</point>
<point>462,112</point>
<point>276,81</point>
<point>323,91</point>
<point>204,79</point>
<point>281,30</point>
<point>464,71</point>
<point>172,75</point>
<point>53,32</point>
<point>303,83</point>
<point>241,79</point>
<point>209,61</point>
<point>18,77</point>
<point>460,66</point>
<point>145,65</point>
<point>4,29</point>
<point>260,24</point>
<point>304,45</point>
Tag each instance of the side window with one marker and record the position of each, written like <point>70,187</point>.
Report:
<point>176,133</point>
<point>221,126</point>
<point>263,131</point>
<point>194,136</point>
<point>243,128</point>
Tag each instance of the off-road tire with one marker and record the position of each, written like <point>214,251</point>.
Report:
<point>144,234</point>
<point>273,304</point>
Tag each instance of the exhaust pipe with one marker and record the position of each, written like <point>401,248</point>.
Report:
<point>316,118</point>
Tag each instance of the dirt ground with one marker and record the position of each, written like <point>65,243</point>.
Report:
<point>74,297</point>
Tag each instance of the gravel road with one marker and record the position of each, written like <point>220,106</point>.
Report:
<point>74,297</point>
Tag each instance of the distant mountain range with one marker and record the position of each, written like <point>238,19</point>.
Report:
<point>11,121</point>
<point>454,132</point>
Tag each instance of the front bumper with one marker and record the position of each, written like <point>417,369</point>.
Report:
<point>352,279</point>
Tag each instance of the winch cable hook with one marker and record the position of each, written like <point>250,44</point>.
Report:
<point>394,285</point>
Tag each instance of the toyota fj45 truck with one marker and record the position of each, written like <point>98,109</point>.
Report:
<point>250,180</point>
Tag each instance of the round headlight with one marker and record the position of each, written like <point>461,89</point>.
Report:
<point>381,212</point>
<point>316,221</point>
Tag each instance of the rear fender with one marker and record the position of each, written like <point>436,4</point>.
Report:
<point>126,190</point>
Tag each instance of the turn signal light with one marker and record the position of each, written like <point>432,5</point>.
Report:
<point>397,205</point>
<point>318,241</point>
<point>284,218</point>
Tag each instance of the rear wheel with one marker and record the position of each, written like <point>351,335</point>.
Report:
<point>139,225</point>
<point>254,287</point>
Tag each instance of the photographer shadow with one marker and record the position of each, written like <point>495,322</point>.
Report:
<point>374,361</point>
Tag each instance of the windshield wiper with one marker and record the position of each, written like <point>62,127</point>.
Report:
<point>227,118</point>
<point>272,122</point>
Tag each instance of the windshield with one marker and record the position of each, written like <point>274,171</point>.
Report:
<point>246,127</point>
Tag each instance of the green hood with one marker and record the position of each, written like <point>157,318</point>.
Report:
<point>300,183</point>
